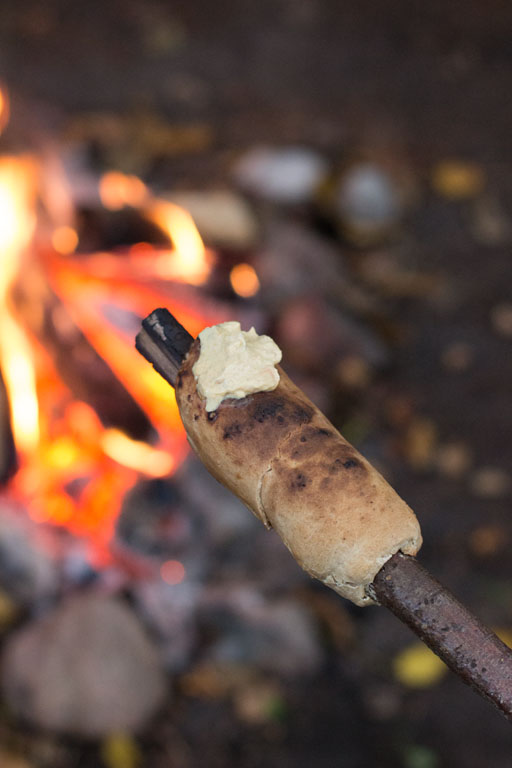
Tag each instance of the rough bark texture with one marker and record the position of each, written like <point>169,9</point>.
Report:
<point>467,646</point>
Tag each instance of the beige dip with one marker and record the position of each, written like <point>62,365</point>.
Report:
<point>234,363</point>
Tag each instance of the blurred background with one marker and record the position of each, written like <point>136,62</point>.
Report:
<point>338,175</point>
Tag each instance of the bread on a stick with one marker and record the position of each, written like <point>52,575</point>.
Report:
<point>281,456</point>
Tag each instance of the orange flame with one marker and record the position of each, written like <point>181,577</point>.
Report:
<point>136,454</point>
<point>118,190</point>
<point>189,262</point>
<point>73,471</point>
<point>4,108</point>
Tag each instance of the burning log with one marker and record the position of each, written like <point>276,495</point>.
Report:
<point>79,365</point>
<point>469,648</point>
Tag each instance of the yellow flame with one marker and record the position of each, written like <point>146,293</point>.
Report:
<point>17,213</point>
<point>189,261</point>
<point>20,381</point>
<point>17,223</point>
<point>136,455</point>
<point>244,280</point>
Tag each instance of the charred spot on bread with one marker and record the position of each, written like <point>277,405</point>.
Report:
<point>270,408</point>
<point>299,481</point>
<point>279,410</point>
<point>302,414</point>
<point>350,464</point>
<point>232,430</point>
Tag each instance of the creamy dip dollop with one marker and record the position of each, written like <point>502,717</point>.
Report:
<point>234,363</point>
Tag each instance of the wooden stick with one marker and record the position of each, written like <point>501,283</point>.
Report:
<point>468,647</point>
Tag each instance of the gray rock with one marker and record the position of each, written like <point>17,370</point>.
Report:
<point>278,636</point>
<point>27,572</point>
<point>88,669</point>
<point>222,217</point>
<point>295,262</point>
<point>368,202</point>
<point>288,175</point>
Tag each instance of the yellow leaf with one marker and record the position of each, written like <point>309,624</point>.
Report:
<point>120,751</point>
<point>458,180</point>
<point>505,635</point>
<point>417,667</point>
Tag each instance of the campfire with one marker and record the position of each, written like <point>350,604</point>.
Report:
<point>88,418</point>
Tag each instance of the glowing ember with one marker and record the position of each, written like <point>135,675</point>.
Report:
<point>118,190</point>
<point>244,280</point>
<point>172,572</point>
<point>65,240</point>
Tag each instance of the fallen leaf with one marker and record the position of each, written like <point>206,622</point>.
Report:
<point>487,539</point>
<point>120,751</point>
<point>260,703</point>
<point>8,760</point>
<point>491,483</point>
<point>416,756</point>
<point>505,635</point>
<point>208,680</point>
<point>420,443</point>
<point>458,180</point>
<point>489,222</point>
<point>8,610</point>
<point>457,356</point>
<point>417,667</point>
<point>453,460</point>
<point>501,319</point>
<point>353,372</point>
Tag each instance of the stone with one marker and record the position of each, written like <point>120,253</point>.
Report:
<point>277,636</point>
<point>28,574</point>
<point>368,203</point>
<point>296,262</point>
<point>170,612</point>
<point>288,175</point>
<point>87,668</point>
<point>223,218</point>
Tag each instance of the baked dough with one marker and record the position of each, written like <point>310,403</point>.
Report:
<point>281,456</point>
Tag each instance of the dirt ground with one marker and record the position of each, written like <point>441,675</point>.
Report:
<point>426,82</point>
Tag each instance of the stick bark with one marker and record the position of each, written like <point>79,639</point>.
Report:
<point>468,647</point>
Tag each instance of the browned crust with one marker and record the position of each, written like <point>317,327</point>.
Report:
<point>279,454</point>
